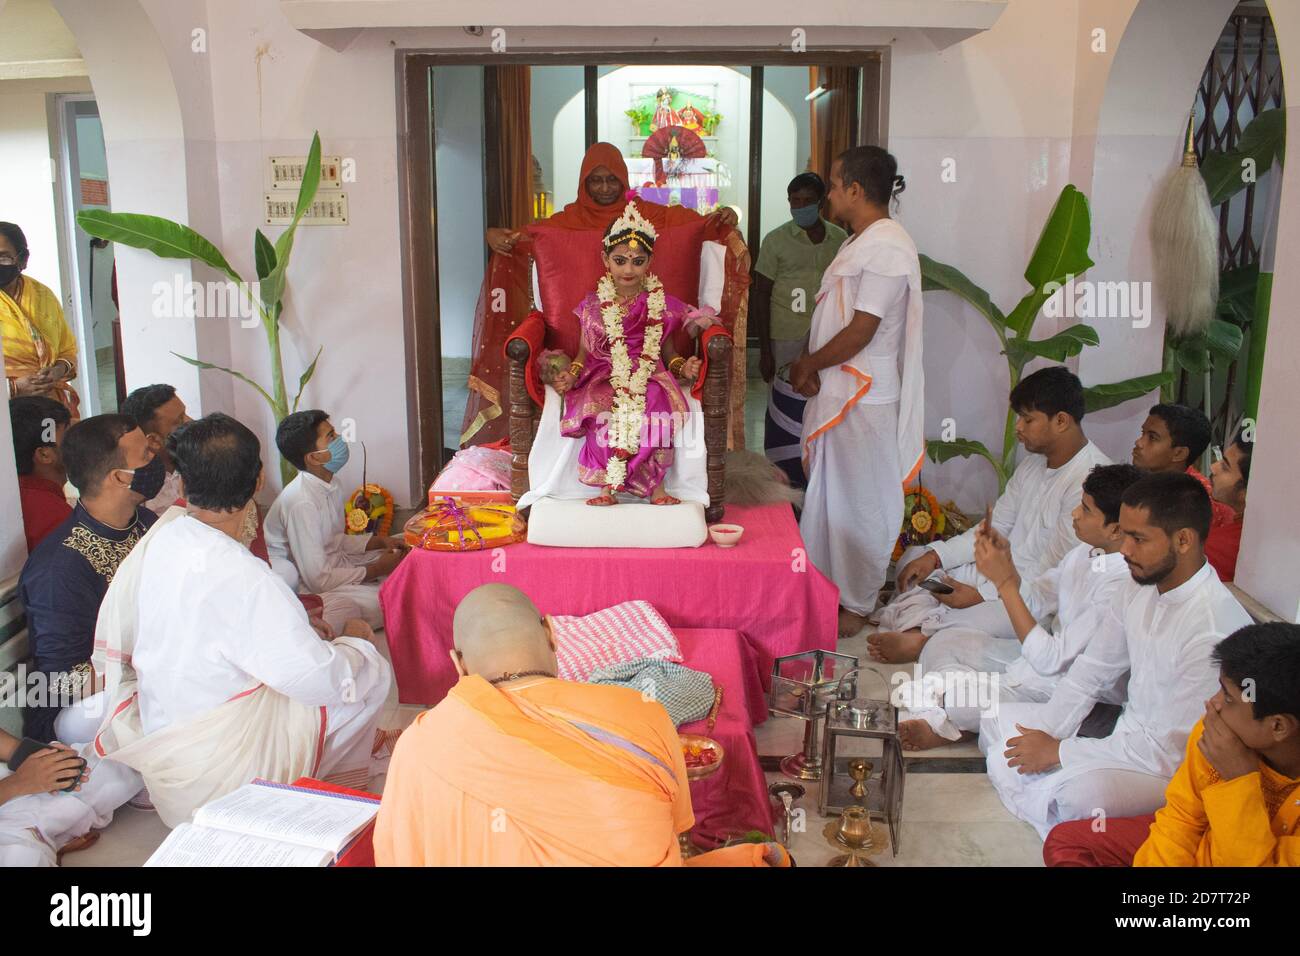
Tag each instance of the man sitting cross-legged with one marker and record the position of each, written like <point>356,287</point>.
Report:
<point>305,532</point>
<point>1235,801</point>
<point>516,767</point>
<point>1159,631</point>
<point>215,676</point>
<point>39,817</point>
<point>1034,514</point>
<point>958,662</point>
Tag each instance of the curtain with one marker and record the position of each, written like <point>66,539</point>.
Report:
<point>515,145</point>
<point>831,115</point>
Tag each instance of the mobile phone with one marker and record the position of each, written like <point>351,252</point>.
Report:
<point>935,587</point>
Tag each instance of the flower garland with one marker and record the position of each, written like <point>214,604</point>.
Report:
<point>624,434</point>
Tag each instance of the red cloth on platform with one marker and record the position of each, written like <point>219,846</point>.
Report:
<point>765,587</point>
<point>1075,843</point>
<point>734,799</point>
<point>1221,548</point>
<point>362,850</point>
<point>44,508</point>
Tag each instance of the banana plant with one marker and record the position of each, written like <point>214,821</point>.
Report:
<point>1061,252</point>
<point>172,240</point>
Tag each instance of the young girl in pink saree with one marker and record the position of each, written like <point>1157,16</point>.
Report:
<point>623,392</point>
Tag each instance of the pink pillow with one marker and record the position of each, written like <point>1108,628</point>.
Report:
<point>630,631</point>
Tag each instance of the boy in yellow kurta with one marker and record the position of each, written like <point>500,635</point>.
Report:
<point>1235,800</point>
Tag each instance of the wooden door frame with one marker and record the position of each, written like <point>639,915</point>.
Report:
<point>417,177</point>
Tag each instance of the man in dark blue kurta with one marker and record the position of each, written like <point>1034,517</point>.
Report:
<point>108,459</point>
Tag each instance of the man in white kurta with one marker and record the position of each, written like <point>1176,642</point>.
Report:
<point>305,532</point>
<point>1034,514</point>
<point>863,425</point>
<point>1160,635</point>
<point>211,661</point>
<point>964,673</point>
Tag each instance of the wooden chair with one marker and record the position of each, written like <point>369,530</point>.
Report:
<point>525,413</point>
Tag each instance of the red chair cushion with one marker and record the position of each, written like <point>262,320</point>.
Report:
<point>569,266</point>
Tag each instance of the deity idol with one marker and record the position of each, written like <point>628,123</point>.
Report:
<point>621,393</point>
<point>664,114</point>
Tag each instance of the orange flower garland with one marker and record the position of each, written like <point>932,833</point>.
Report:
<point>924,519</point>
<point>369,509</point>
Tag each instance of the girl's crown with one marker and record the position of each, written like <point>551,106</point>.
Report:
<point>632,228</point>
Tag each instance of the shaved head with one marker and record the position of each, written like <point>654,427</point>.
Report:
<point>498,630</point>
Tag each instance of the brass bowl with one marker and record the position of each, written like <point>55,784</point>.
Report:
<point>704,743</point>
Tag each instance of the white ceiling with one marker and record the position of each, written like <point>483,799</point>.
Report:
<point>35,42</point>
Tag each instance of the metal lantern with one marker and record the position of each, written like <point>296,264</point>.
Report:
<point>802,686</point>
<point>851,778</point>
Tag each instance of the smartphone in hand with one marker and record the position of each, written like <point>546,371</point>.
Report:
<point>935,587</point>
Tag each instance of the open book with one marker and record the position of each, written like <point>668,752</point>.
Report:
<point>268,824</point>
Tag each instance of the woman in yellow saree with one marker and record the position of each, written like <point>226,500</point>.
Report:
<point>40,350</point>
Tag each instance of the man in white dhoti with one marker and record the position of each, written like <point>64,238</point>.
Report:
<point>1159,632</point>
<point>965,673</point>
<point>39,818</point>
<point>305,534</point>
<point>214,674</point>
<point>863,436</point>
<point>1034,513</point>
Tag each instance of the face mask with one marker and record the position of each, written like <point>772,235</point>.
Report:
<point>147,480</point>
<point>805,216</point>
<point>9,273</point>
<point>338,450</point>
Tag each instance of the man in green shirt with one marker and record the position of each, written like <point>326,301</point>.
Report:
<point>788,273</point>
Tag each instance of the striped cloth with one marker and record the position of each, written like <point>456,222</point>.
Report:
<point>629,631</point>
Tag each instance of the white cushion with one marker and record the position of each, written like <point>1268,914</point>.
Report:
<point>572,523</point>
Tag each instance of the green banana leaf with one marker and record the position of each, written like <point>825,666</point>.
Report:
<point>941,451</point>
<point>1061,251</point>
<point>263,255</point>
<point>1058,348</point>
<point>1237,287</point>
<point>939,276</point>
<point>199,363</point>
<point>273,285</point>
<point>306,377</point>
<point>1223,338</point>
<point>1263,140</point>
<point>162,237</point>
<point>1098,397</point>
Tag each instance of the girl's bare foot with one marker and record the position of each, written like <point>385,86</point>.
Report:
<point>661,497</point>
<point>603,500</point>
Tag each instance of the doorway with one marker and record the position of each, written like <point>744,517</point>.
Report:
<point>753,120</point>
<point>90,292</point>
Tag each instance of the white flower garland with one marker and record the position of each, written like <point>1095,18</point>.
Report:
<point>624,433</point>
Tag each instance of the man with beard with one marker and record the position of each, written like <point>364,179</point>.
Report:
<point>1160,633</point>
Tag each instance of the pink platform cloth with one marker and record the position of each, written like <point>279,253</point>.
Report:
<point>765,587</point>
<point>734,799</point>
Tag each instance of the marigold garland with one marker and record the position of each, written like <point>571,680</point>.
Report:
<point>369,509</point>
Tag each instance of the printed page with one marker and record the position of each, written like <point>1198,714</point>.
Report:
<point>294,816</point>
<point>190,845</point>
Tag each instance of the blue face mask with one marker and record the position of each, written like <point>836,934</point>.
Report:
<point>338,450</point>
<point>805,216</point>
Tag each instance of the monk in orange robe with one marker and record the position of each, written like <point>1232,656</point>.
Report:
<point>518,768</point>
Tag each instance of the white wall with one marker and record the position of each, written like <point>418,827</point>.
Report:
<point>27,183</point>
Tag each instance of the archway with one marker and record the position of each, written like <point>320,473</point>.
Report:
<point>1149,91</point>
